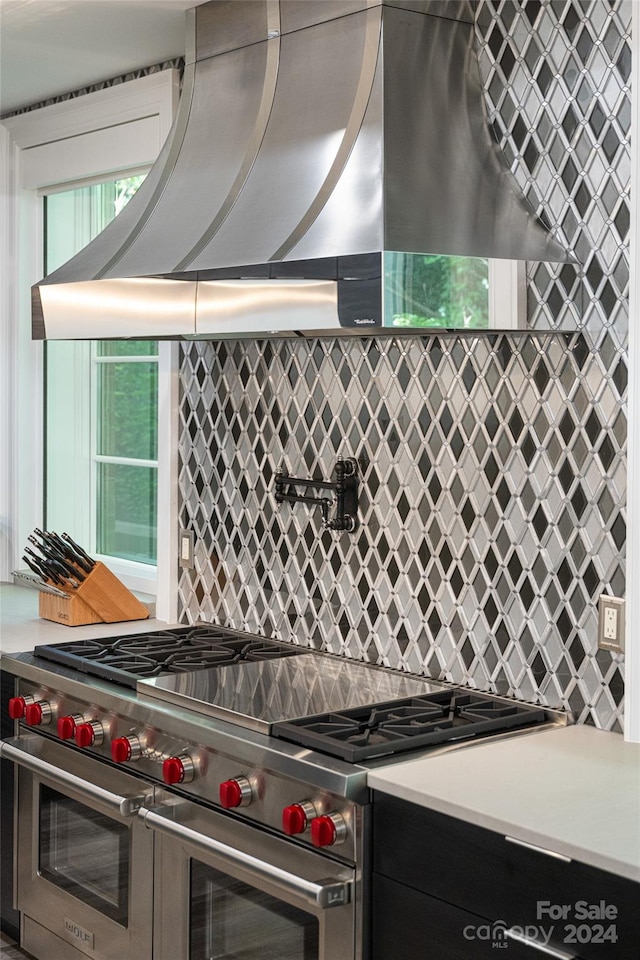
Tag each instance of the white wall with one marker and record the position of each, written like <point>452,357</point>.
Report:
<point>21,365</point>
<point>6,365</point>
<point>632,653</point>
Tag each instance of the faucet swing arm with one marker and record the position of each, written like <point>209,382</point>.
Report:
<point>344,487</point>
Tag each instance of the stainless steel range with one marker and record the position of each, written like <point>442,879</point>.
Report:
<point>201,793</point>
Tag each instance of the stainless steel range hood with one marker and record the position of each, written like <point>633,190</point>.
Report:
<point>313,137</point>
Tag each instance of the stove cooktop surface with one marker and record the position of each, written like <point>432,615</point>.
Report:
<point>260,695</point>
<point>127,659</point>
<point>339,707</point>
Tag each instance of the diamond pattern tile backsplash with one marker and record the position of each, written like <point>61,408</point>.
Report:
<point>493,467</point>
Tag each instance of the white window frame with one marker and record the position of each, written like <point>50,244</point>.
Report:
<point>129,568</point>
<point>111,133</point>
<point>74,494</point>
<point>71,497</point>
<point>507,295</point>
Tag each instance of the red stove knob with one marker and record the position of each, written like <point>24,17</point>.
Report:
<point>296,818</point>
<point>125,748</point>
<point>17,707</point>
<point>328,830</point>
<point>235,793</point>
<point>67,725</point>
<point>178,770</point>
<point>37,713</point>
<point>89,734</point>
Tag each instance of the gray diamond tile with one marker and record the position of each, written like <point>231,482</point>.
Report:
<point>428,415</point>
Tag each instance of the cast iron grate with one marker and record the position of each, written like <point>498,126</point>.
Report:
<point>125,660</point>
<point>367,732</point>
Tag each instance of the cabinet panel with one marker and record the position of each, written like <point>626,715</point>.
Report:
<point>407,925</point>
<point>482,873</point>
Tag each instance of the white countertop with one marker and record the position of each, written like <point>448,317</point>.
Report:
<point>21,629</point>
<point>574,790</point>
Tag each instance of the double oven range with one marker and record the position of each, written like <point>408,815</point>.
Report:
<point>201,793</point>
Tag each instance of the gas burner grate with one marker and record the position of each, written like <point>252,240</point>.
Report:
<point>125,660</point>
<point>443,717</point>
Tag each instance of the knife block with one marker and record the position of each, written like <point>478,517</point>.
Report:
<point>100,598</point>
<point>71,610</point>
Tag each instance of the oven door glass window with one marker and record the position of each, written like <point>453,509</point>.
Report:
<point>85,853</point>
<point>233,921</point>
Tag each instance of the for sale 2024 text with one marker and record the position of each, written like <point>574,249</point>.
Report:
<point>579,922</point>
<point>584,922</point>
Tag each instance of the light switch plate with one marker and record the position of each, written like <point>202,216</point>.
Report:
<point>186,549</point>
<point>611,627</point>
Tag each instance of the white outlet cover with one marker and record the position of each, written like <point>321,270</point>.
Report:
<point>611,624</point>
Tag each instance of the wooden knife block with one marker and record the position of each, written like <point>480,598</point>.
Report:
<point>100,598</point>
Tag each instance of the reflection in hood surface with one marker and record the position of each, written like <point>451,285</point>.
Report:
<point>312,136</point>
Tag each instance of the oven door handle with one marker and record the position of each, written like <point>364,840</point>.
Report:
<point>126,806</point>
<point>321,893</point>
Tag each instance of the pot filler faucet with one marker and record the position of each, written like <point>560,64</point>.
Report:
<point>345,488</point>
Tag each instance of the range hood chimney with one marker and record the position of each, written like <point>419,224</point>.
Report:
<point>312,138</point>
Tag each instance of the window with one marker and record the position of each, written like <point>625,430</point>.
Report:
<point>436,291</point>
<point>111,134</point>
<point>115,398</point>
<point>126,449</point>
<point>453,292</point>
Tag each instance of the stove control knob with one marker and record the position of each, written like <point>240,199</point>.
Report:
<point>89,734</point>
<point>125,748</point>
<point>67,725</point>
<point>18,705</point>
<point>328,830</point>
<point>178,769</point>
<point>297,817</point>
<point>38,713</point>
<point>235,793</point>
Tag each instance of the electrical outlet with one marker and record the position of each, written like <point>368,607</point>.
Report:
<point>611,624</point>
<point>610,631</point>
<point>186,549</point>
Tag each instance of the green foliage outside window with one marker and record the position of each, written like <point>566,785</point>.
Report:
<point>124,190</point>
<point>423,290</point>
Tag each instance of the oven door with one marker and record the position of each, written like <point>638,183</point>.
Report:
<point>226,890</point>
<point>84,870</point>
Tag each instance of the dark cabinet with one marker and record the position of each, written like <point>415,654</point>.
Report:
<point>8,916</point>
<point>444,889</point>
